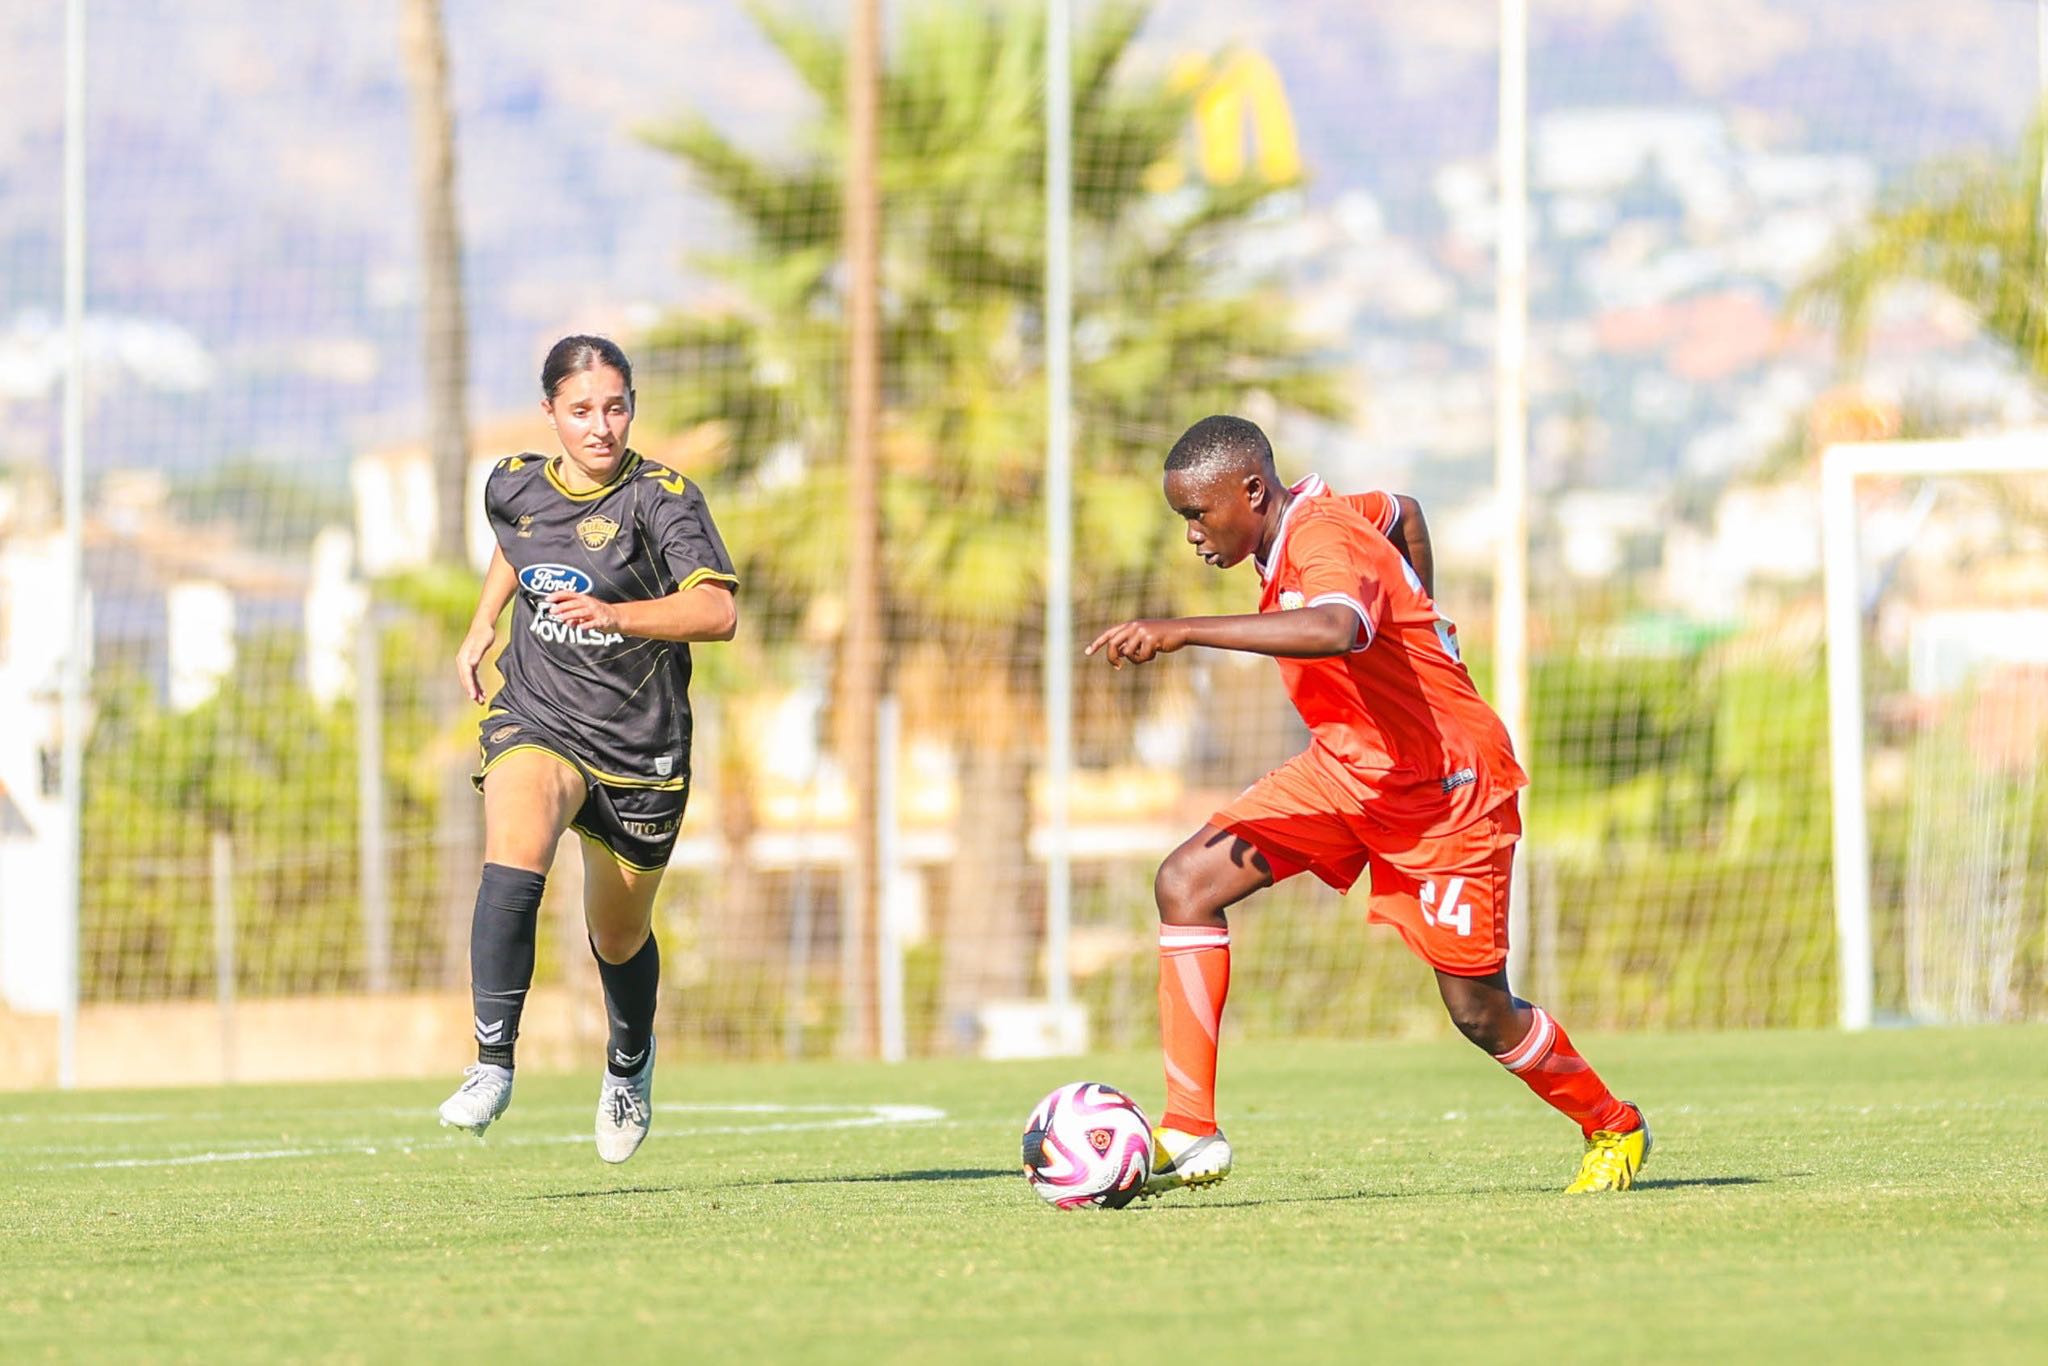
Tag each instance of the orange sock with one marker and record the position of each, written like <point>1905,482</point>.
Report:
<point>1554,1070</point>
<point>1194,979</point>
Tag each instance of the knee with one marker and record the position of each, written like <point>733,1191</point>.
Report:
<point>618,945</point>
<point>516,847</point>
<point>1182,896</point>
<point>1484,1021</point>
<point>1477,1026</point>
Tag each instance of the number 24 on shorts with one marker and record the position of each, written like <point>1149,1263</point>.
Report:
<point>1451,914</point>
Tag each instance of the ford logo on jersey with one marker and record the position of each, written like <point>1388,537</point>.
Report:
<point>544,579</point>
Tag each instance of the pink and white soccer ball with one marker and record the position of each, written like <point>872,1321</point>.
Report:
<point>1086,1146</point>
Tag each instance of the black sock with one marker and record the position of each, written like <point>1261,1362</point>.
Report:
<point>501,932</point>
<point>629,990</point>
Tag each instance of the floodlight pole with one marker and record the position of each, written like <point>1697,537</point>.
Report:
<point>1059,494</point>
<point>1511,427</point>
<point>71,762</point>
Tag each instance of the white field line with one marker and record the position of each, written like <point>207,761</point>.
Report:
<point>89,1118</point>
<point>404,1112</point>
<point>865,1116</point>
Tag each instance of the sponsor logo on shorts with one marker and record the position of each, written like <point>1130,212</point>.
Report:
<point>596,530</point>
<point>553,578</point>
<point>665,765</point>
<point>503,731</point>
<point>1290,600</point>
<point>1461,778</point>
<point>650,830</point>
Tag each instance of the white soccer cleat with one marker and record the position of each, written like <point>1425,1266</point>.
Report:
<point>485,1092</point>
<point>1183,1159</point>
<point>624,1109</point>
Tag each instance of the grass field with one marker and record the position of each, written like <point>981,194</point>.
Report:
<point>1812,1196</point>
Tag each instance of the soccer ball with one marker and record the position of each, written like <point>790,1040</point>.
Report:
<point>1086,1146</point>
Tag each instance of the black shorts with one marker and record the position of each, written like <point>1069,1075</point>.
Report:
<point>638,825</point>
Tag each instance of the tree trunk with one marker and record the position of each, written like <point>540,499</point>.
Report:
<point>444,325</point>
<point>444,342</point>
<point>990,951</point>
<point>861,671</point>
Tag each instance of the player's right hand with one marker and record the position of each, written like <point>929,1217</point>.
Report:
<point>476,647</point>
<point>1139,641</point>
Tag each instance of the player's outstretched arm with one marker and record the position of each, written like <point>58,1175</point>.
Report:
<point>707,611</point>
<point>1411,538</point>
<point>499,585</point>
<point>1306,633</point>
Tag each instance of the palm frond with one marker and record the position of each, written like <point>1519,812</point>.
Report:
<point>816,54</point>
<point>1974,229</point>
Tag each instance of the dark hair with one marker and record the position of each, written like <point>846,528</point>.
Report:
<point>1219,442</point>
<point>574,355</point>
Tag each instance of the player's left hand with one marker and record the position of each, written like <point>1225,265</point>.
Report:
<point>580,609</point>
<point>1139,641</point>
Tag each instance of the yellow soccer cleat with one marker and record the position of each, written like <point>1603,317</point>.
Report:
<point>1183,1159</point>
<point>1612,1160</point>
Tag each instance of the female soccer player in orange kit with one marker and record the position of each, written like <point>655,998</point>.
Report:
<point>1409,776</point>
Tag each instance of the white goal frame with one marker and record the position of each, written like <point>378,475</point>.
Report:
<point>2022,452</point>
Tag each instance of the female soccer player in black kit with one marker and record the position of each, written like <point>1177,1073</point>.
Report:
<point>613,566</point>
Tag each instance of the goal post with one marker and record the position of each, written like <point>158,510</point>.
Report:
<point>1842,466</point>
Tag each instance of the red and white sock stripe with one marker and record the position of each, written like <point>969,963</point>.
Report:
<point>1187,938</point>
<point>1535,1045</point>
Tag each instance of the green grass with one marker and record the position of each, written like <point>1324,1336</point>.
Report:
<point>1812,1196</point>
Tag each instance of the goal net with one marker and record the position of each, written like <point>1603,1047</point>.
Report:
<point>1938,645</point>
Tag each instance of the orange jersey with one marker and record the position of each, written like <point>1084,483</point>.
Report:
<point>1399,712</point>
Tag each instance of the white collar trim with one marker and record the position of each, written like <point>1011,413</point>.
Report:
<point>1310,487</point>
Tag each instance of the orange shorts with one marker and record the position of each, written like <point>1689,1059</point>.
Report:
<point>1446,894</point>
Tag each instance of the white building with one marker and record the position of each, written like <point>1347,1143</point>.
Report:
<point>396,503</point>
<point>1768,534</point>
<point>34,629</point>
<point>163,600</point>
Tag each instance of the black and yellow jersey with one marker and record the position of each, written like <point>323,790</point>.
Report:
<point>621,701</point>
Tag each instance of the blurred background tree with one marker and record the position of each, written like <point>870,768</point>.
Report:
<point>1975,228</point>
<point>1168,329</point>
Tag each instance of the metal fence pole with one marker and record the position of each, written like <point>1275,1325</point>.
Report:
<point>1059,494</point>
<point>372,853</point>
<point>1511,434</point>
<point>223,867</point>
<point>73,684</point>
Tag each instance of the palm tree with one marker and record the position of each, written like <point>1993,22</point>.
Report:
<point>1976,229</point>
<point>1162,338</point>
